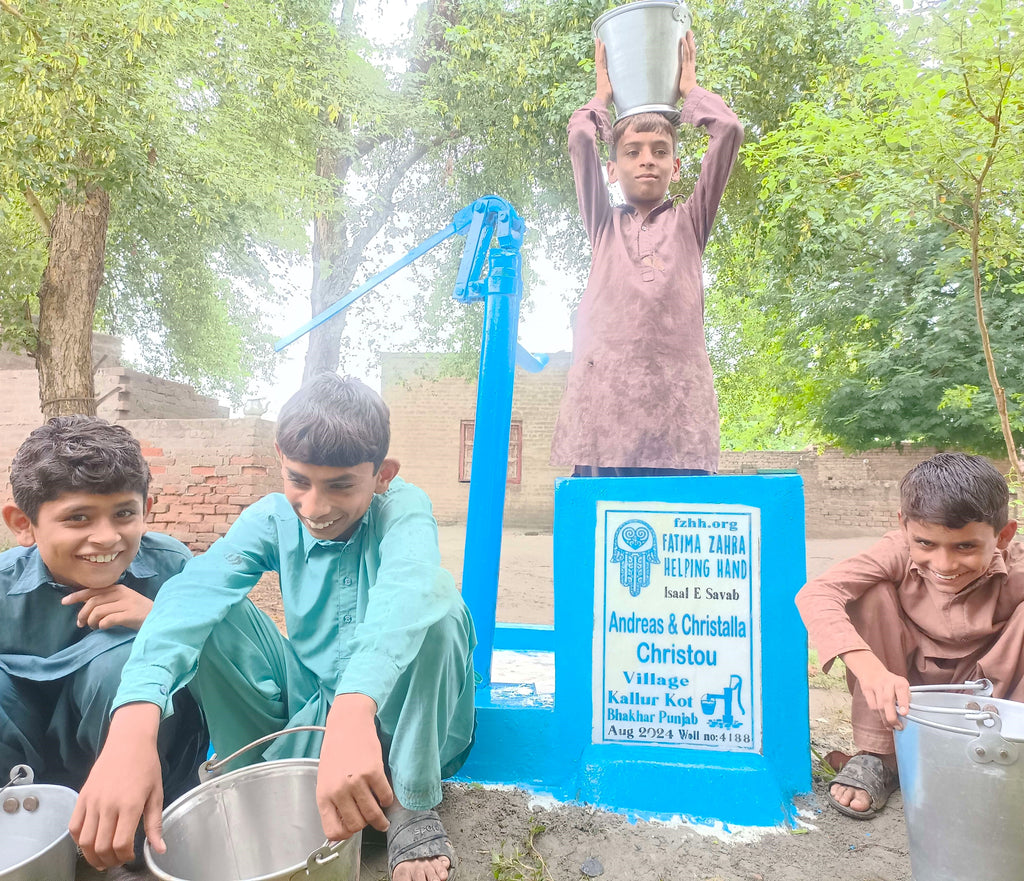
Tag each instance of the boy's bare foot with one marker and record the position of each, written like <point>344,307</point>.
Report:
<point>418,846</point>
<point>863,786</point>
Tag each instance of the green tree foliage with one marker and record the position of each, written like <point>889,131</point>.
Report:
<point>923,133</point>
<point>893,350</point>
<point>193,117</point>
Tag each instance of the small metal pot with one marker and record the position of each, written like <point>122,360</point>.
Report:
<point>260,823</point>
<point>35,844</point>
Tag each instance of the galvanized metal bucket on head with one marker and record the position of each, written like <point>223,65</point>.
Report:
<point>260,823</point>
<point>642,44</point>
<point>962,777</point>
<point>35,844</point>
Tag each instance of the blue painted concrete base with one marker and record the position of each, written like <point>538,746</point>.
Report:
<point>552,745</point>
<point>517,743</point>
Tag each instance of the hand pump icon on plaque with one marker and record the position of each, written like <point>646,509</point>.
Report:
<point>709,702</point>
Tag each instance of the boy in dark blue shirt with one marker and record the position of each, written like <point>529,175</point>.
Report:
<point>73,594</point>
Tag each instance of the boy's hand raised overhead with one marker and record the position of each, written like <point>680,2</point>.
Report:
<point>603,89</point>
<point>114,606</point>
<point>351,785</point>
<point>688,64</point>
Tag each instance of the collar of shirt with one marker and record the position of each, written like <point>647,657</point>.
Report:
<point>629,209</point>
<point>36,575</point>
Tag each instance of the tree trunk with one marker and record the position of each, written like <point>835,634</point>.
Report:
<point>341,235</point>
<point>330,279</point>
<point>67,304</point>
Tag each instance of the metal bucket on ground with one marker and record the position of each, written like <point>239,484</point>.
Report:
<point>259,823</point>
<point>35,844</point>
<point>962,776</point>
<point>642,44</point>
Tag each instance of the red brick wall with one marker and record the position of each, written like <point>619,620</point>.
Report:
<point>205,471</point>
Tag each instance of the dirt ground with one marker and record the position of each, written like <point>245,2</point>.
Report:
<point>487,822</point>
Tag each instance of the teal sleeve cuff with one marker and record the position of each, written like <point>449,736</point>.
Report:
<point>371,675</point>
<point>152,686</point>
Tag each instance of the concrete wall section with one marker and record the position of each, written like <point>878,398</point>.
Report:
<point>427,411</point>
<point>845,493</point>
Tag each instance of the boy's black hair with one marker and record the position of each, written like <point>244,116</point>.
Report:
<point>649,121</point>
<point>76,454</point>
<point>335,422</point>
<point>954,489</point>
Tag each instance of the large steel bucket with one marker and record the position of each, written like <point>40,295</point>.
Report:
<point>259,823</point>
<point>962,776</point>
<point>642,43</point>
<point>35,844</point>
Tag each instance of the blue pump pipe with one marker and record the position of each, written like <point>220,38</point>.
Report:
<point>493,275</point>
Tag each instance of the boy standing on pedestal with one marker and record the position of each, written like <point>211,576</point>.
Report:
<point>640,397</point>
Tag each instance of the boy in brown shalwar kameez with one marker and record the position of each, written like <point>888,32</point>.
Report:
<point>939,601</point>
<point>640,397</point>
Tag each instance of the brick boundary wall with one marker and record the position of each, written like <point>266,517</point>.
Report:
<point>121,392</point>
<point>845,493</point>
<point>206,471</point>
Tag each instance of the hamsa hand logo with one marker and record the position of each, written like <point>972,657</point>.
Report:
<point>634,548</point>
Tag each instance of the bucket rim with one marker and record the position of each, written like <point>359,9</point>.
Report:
<point>261,769</point>
<point>667,110</point>
<point>63,841</point>
<point>609,14</point>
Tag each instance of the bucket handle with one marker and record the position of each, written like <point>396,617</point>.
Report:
<point>988,744</point>
<point>212,766</point>
<point>19,774</point>
<point>326,853</point>
<point>983,687</point>
<point>986,718</point>
<point>981,716</point>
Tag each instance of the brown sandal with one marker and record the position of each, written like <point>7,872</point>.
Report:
<point>870,773</point>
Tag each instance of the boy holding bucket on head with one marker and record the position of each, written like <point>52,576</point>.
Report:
<point>73,593</point>
<point>379,646</point>
<point>640,397</point>
<point>939,601</point>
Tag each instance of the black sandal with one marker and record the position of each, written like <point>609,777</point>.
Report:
<point>419,835</point>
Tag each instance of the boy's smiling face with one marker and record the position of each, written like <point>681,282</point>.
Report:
<point>331,501</point>
<point>85,539</point>
<point>644,165</point>
<point>952,559</point>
